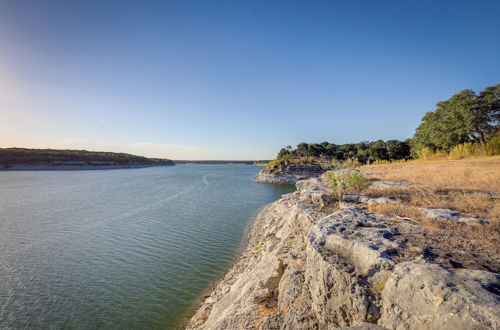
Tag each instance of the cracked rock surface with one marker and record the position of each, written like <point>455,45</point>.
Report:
<point>289,175</point>
<point>309,265</point>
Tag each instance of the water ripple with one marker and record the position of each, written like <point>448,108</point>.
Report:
<point>118,249</point>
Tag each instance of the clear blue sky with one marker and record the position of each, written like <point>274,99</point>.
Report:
<point>234,79</point>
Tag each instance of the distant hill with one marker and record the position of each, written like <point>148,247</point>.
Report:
<point>22,158</point>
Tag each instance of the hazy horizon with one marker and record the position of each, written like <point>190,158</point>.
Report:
<point>233,80</point>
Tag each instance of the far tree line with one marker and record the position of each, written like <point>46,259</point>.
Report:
<point>364,151</point>
<point>466,117</point>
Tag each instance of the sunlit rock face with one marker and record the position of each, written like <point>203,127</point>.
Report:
<point>313,263</point>
<point>290,174</point>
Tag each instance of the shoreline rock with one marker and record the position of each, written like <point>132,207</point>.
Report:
<point>307,266</point>
<point>289,175</point>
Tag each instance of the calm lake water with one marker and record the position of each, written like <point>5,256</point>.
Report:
<point>129,248</point>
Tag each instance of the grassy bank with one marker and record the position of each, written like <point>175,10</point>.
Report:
<point>468,185</point>
<point>478,173</point>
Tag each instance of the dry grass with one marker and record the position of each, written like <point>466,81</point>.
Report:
<point>472,237</point>
<point>460,185</point>
<point>467,174</point>
<point>479,204</point>
<point>398,209</point>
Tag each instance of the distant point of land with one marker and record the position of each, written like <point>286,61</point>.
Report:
<point>55,159</point>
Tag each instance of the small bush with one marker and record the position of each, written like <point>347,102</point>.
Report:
<point>305,160</point>
<point>351,181</point>
<point>351,163</point>
<point>278,164</point>
<point>331,164</point>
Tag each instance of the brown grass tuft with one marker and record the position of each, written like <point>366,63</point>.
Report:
<point>472,237</point>
<point>398,209</point>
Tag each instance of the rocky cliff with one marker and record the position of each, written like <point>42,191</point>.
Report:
<point>289,174</point>
<point>312,264</point>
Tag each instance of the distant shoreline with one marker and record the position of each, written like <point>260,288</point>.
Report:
<point>24,159</point>
<point>21,167</point>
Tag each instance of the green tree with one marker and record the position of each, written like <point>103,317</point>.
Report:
<point>397,149</point>
<point>378,150</point>
<point>465,117</point>
<point>487,114</point>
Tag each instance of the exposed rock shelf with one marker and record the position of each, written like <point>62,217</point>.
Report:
<point>289,175</point>
<point>307,266</point>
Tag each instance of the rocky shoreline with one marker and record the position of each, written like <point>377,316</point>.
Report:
<point>311,265</point>
<point>290,175</point>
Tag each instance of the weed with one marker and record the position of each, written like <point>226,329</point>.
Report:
<point>379,287</point>
<point>350,181</point>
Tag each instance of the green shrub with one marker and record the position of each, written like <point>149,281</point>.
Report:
<point>278,164</point>
<point>305,160</point>
<point>351,163</point>
<point>351,181</point>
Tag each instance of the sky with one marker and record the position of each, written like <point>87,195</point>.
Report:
<point>234,79</point>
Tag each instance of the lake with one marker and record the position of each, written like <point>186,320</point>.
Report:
<point>115,249</point>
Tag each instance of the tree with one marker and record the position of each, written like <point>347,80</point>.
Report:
<point>302,150</point>
<point>283,152</point>
<point>465,117</point>
<point>397,149</point>
<point>487,114</point>
<point>377,150</point>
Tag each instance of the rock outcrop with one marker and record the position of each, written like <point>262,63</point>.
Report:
<point>311,265</point>
<point>289,174</point>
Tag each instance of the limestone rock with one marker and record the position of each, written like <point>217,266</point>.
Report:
<point>289,175</point>
<point>427,296</point>
<point>445,214</point>
<point>307,268</point>
<point>390,184</point>
<point>365,326</point>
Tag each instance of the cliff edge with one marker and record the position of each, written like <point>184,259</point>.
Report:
<point>312,263</point>
<point>288,175</point>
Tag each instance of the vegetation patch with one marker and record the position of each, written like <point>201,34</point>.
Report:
<point>331,154</point>
<point>466,125</point>
<point>348,181</point>
<point>465,117</point>
<point>379,287</point>
<point>463,150</point>
<point>257,248</point>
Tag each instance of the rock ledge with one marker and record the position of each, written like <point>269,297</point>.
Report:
<point>307,266</point>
